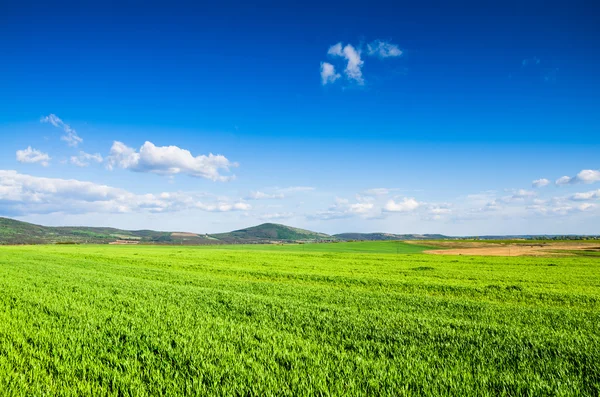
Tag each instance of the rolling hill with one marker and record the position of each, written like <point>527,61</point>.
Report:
<point>14,232</point>
<point>272,232</point>
<point>387,236</point>
<point>17,232</point>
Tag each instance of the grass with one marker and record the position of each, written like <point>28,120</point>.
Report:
<point>151,321</point>
<point>374,247</point>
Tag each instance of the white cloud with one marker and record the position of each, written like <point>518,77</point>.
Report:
<point>595,194</point>
<point>336,50</point>
<point>343,208</point>
<point>32,156</point>
<point>84,159</point>
<point>584,176</point>
<point>564,180</point>
<point>26,194</point>
<point>328,74</point>
<point>383,49</point>
<point>224,207</point>
<point>70,136</point>
<point>585,206</point>
<point>522,194</point>
<point>589,176</point>
<point>354,63</point>
<point>264,196</point>
<point>168,160</point>
<point>540,182</point>
<point>406,205</point>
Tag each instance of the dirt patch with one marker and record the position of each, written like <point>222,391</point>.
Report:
<point>181,234</point>
<point>487,249</point>
<point>125,242</point>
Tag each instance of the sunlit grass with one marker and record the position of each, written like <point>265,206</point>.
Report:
<point>100,320</point>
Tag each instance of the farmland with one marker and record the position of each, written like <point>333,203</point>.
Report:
<point>317,319</point>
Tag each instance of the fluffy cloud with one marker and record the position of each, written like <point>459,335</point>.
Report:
<point>84,159</point>
<point>22,194</point>
<point>224,207</point>
<point>522,194</point>
<point>277,193</point>
<point>595,194</point>
<point>168,160</point>
<point>540,182</point>
<point>354,63</point>
<point>406,205</point>
<point>383,49</point>
<point>328,73</point>
<point>264,196</point>
<point>343,208</point>
<point>584,176</point>
<point>564,180</point>
<point>32,156</point>
<point>70,136</point>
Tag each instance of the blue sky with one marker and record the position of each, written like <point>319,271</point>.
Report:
<point>435,118</point>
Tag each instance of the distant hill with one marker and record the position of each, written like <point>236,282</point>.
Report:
<point>387,236</point>
<point>17,232</point>
<point>272,232</point>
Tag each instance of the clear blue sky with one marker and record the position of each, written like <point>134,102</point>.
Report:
<point>449,110</point>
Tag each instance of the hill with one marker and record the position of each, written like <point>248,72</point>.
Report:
<point>387,236</point>
<point>17,232</point>
<point>271,232</point>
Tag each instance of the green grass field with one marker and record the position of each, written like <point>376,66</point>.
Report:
<point>374,247</point>
<point>152,321</point>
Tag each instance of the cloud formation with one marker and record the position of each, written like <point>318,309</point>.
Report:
<point>540,182</point>
<point>257,195</point>
<point>70,136</point>
<point>168,160</point>
<point>343,208</point>
<point>383,49</point>
<point>33,156</point>
<point>84,159</point>
<point>26,194</point>
<point>593,195</point>
<point>406,205</point>
<point>328,73</point>
<point>354,62</point>
<point>584,176</point>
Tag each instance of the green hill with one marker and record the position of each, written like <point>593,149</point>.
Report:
<point>17,232</point>
<point>271,232</point>
<point>387,236</point>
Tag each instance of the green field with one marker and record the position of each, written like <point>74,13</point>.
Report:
<point>374,247</point>
<point>289,320</point>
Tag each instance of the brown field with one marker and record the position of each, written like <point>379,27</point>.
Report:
<point>182,234</point>
<point>541,248</point>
